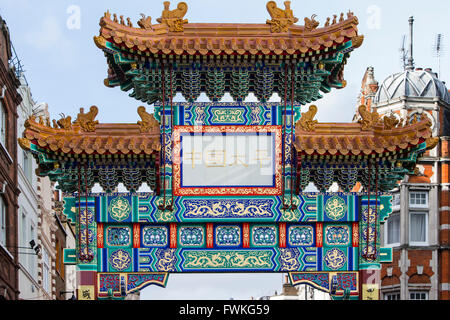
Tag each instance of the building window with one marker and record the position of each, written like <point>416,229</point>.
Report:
<point>24,235</point>
<point>418,199</point>
<point>2,125</point>
<point>418,295</point>
<point>418,227</point>
<point>33,257</point>
<point>396,201</point>
<point>27,165</point>
<point>392,227</point>
<point>392,295</point>
<point>2,221</point>
<point>45,271</point>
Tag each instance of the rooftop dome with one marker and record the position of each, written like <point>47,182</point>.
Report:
<point>412,83</point>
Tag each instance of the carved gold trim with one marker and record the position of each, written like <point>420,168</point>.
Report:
<point>24,143</point>
<point>357,41</point>
<point>100,42</point>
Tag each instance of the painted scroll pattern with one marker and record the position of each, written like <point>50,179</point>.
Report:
<point>335,208</point>
<point>241,208</point>
<point>223,259</point>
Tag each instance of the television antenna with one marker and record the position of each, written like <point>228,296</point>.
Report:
<point>438,49</point>
<point>403,53</point>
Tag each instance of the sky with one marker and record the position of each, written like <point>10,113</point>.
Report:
<point>64,68</point>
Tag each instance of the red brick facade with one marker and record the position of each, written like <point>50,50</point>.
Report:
<point>8,169</point>
<point>420,267</point>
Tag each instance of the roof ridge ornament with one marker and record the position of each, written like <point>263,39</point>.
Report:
<point>368,119</point>
<point>148,122</point>
<point>145,22</point>
<point>86,120</point>
<point>174,19</point>
<point>306,121</point>
<point>311,24</point>
<point>63,123</point>
<point>390,121</point>
<point>281,19</point>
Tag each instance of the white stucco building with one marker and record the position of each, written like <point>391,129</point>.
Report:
<point>28,212</point>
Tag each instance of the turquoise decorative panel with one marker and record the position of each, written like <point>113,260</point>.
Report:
<point>338,258</point>
<point>227,236</point>
<point>191,236</point>
<point>337,235</point>
<point>369,232</point>
<point>312,207</point>
<point>301,236</point>
<point>198,209</point>
<point>225,260</point>
<point>228,260</point>
<point>263,236</point>
<point>118,260</point>
<point>301,258</point>
<point>118,236</point>
<point>337,207</point>
<point>116,207</point>
<point>386,254</point>
<point>223,113</point>
<point>154,236</point>
<point>86,232</point>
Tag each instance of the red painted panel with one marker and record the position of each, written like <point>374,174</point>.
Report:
<point>355,234</point>
<point>319,234</point>
<point>282,235</point>
<point>173,235</point>
<point>209,235</point>
<point>246,235</point>
<point>136,235</point>
<point>100,236</point>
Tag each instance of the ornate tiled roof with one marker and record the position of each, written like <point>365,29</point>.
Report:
<point>85,136</point>
<point>277,36</point>
<point>371,135</point>
<point>176,56</point>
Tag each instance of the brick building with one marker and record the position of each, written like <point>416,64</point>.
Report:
<point>9,100</point>
<point>418,228</point>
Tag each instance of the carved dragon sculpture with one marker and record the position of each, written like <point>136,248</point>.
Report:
<point>368,119</point>
<point>390,122</point>
<point>306,122</point>
<point>174,19</point>
<point>281,19</point>
<point>145,22</point>
<point>86,120</point>
<point>311,24</point>
<point>148,120</point>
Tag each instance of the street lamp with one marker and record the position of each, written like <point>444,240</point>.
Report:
<point>72,297</point>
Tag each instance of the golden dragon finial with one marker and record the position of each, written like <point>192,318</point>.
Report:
<point>307,122</point>
<point>368,119</point>
<point>86,120</point>
<point>148,122</point>
<point>174,19</point>
<point>281,19</point>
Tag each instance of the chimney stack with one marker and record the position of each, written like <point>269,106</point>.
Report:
<point>410,65</point>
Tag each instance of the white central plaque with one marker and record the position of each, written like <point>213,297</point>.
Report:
<point>232,160</point>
